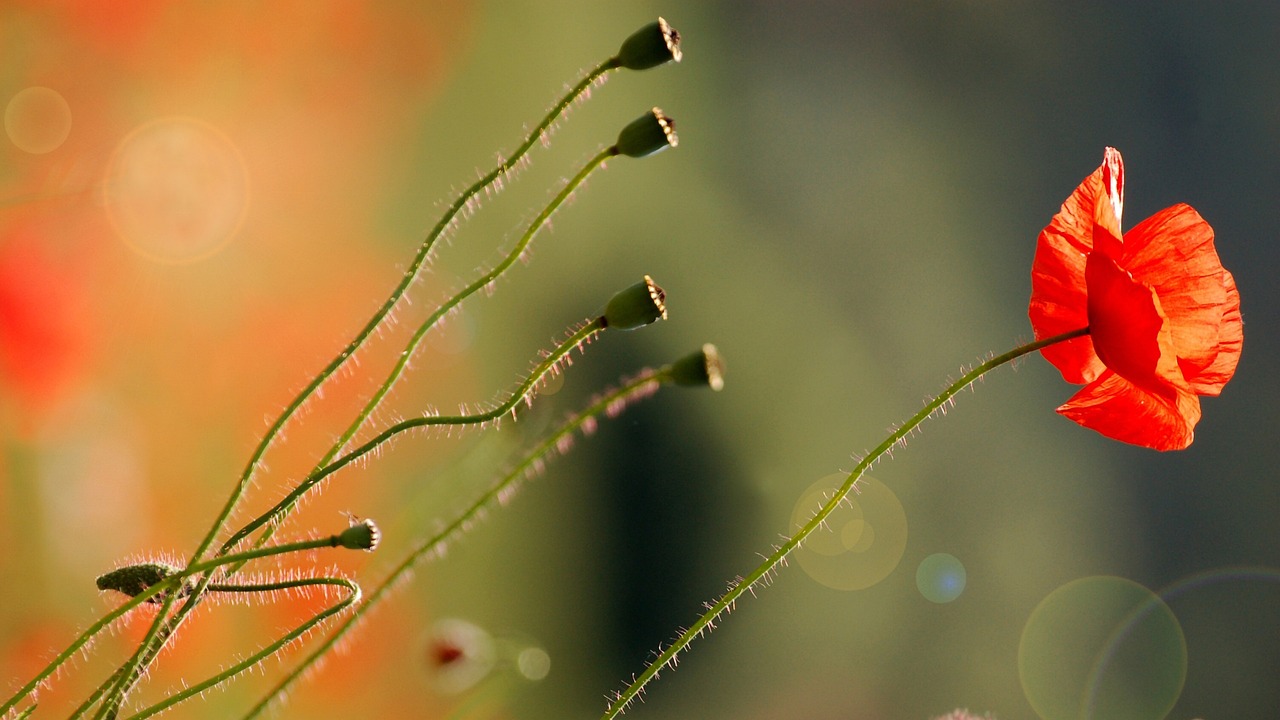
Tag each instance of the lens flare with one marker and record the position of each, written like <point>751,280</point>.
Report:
<point>177,190</point>
<point>941,578</point>
<point>1100,648</point>
<point>37,120</point>
<point>867,537</point>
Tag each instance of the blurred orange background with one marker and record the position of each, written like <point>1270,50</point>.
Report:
<point>200,203</point>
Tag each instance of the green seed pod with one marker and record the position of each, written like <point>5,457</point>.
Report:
<point>704,368</point>
<point>364,535</point>
<point>133,580</point>
<point>637,306</point>
<point>648,134</point>
<point>650,46</point>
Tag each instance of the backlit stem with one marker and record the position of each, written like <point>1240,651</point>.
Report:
<point>280,511</point>
<point>639,386</point>
<point>705,623</point>
<point>161,629</point>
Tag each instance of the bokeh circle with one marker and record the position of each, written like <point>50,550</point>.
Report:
<point>941,578</point>
<point>177,190</point>
<point>37,120</point>
<point>866,535</point>
<point>1102,648</point>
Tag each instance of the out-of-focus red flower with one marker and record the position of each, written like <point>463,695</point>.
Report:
<point>44,340</point>
<point>1163,315</point>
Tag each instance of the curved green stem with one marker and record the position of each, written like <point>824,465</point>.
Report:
<point>641,386</point>
<point>169,583</point>
<point>523,393</point>
<point>353,596</point>
<point>705,623</point>
<point>276,514</point>
<point>540,132</point>
<point>145,652</point>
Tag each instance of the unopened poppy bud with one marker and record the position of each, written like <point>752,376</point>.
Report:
<point>704,367</point>
<point>364,535</point>
<point>647,135</point>
<point>133,580</point>
<point>650,46</point>
<point>637,306</point>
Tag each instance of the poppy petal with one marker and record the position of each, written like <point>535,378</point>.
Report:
<point>1122,411</point>
<point>1130,330</point>
<point>1173,252</point>
<point>1113,182</point>
<point>1058,299</point>
<point>1209,380</point>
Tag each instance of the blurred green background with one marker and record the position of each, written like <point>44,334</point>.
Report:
<point>850,216</point>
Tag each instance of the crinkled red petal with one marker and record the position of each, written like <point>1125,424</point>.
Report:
<point>1173,252</point>
<point>1058,300</point>
<point>1122,411</point>
<point>1210,379</point>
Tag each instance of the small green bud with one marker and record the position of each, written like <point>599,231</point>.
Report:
<point>133,580</point>
<point>637,306</point>
<point>705,368</point>
<point>650,46</point>
<point>648,134</point>
<point>363,535</point>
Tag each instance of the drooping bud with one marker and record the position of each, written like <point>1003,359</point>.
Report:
<point>650,46</point>
<point>637,306</point>
<point>646,135</point>
<point>133,580</point>
<point>363,535</point>
<point>702,368</point>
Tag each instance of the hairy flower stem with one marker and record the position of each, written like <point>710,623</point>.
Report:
<point>169,583</point>
<point>277,514</point>
<point>161,629</point>
<point>352,597</point>
<point>640,386</point>
<point>705,623</point>
<point>523,393</point>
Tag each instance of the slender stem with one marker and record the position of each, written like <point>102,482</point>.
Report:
<point>169,583</point>
<point>523,393</point>
<point>353,596</point>
<point>278,513</point>
<point>145,652</point>
<point>705,623</point>
<point>640,386</point>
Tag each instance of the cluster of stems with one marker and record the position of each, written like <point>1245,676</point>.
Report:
<point>215,566</point>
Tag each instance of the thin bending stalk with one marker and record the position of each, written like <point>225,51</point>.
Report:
<point>638,387</point>
<point>145,652</point>
<point>353,596</point>
<point>667,658</point>
<point>278,513</point>
<point>169,583</point>
<point>522,394</point>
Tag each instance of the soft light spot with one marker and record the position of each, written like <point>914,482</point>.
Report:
<point>533,663</point>
<point>1102,648</point>
<point>866,538</point>
<point>452,338</point>
<point>460,654</point>
<point>177,190</point>
<point>941,578</point>
<point>857,535</point>
<point>38,120</point>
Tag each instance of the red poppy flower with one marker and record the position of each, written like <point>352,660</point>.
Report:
<point>1163,315</point>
